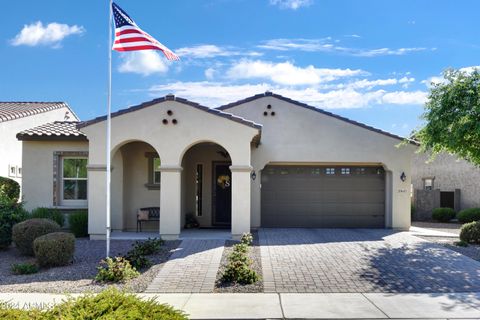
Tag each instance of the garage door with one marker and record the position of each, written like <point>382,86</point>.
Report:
<point>323,197</point>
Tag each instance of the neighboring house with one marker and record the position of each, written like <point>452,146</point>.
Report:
<point>266,161</point>
<point>18,116</point>
<point>445,181</point>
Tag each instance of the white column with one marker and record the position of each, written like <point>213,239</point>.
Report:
<point>240,200</point>
<point>170,201</point>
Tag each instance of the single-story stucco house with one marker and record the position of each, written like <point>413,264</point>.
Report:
<point>265,161</point>
<point>16,116</point>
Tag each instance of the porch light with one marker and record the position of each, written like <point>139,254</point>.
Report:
<point>403,177</point>
<point>254,175</point>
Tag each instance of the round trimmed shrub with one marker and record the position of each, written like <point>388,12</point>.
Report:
<point>78,223</point>
<point>469,215</point>
<point>10,189</point>
<point>49,213</point>
<point>54,249</point>
<point>24,233</point>
<point>10,214</point>
<point>443,214</point>
<point>470,232</point>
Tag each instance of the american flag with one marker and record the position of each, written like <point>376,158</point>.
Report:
<point>129,37</point>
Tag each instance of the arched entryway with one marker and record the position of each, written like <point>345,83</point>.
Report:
<point>135,184</point>
<point>206,187</point>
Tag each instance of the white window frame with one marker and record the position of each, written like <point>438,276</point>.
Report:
<point>70,202</point>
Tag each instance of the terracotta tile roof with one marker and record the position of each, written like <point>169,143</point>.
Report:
<point>306,106</point>
<point>58,130</point>
<point>171,97</point>
<point>15,110</point>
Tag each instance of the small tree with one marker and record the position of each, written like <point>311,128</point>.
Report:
<point>452,116</point>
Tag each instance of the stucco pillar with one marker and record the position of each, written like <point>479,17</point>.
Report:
<point>96,201</point>
<point>401,200</point>
<point>170,201</point>
<point>240,200</point>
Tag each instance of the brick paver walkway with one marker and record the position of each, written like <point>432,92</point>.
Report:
<point>192,268</point>
<point>361,260</point>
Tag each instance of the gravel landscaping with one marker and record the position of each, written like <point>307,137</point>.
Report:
<point>472,251</point>
<point>254,254</point>
<point>77,277</point>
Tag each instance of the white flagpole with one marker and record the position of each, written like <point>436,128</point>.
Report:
<point>109,129</point>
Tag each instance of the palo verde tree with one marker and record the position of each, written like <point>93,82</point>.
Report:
<point>452,116</point>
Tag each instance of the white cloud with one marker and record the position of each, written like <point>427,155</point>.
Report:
<point>52,34</point>
<point>429,82</point>
<point>291,4</point>
<point>212,51</point>
<point>286,73</point>
<point>144,62</point>
<point>405,97</point>
<point>210,73</point>
<point>214,94</point>
<point>326,45</point>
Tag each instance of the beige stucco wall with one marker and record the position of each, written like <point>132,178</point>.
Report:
<point>38,169</point>
<point>298,135</point>
<point>450,173</point>
<point>11,148</point>
<point>171,142</point>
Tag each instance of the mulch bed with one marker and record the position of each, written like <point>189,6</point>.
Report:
<point>229,287</point>
<point>78,277</point>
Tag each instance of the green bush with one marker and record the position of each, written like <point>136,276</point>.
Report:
<point>9,189</point>
<point>461,243</point>
<point>246,238</point>
<point>239,272</point>
<point>469,215</point>
<point>49,213</point>
<point>148,247</point>
<point>109,304</point>
<point>10,214</point>
<point>54,249</point>
<point>470,232</point>
<point>78,223</point>
<point>24,233</point>
<point>24,268</point>
<point>117,269</point>
<point>443,214</point>
<point>137,260</point>
<point>241,247</point>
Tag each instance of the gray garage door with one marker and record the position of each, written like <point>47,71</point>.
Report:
<point>323,197</point>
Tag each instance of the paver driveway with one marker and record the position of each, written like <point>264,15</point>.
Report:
<point>361,260</point>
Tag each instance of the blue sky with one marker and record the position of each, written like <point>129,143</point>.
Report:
<point>371,61</point>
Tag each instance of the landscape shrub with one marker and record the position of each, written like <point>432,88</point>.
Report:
<point>54,249</point>
<point>469,215</point>
<point>24,268</point>
<point>11,213</point>
<point>461,243</point>
<point>137,260</point>
<point>246,238</point>
<point>148,247</point>
<point>443,214</point>
<point>117,269</point>
<point>78,223</point>
<point>24,233</point>
<point>238,268</point>
<point>108,304</point>
<point>49,213</point>
<point>470,232</point>
<point>9,189</point>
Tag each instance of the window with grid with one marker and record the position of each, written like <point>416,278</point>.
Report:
<point>74,180</point>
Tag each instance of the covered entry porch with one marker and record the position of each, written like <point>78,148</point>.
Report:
<point>191,162</point>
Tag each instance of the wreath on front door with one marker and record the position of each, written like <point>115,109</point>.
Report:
<point>223,181</point>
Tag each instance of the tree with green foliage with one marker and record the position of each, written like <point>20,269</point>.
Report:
<point>452,115</point>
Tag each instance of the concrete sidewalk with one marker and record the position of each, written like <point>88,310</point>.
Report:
<point>295,305</point>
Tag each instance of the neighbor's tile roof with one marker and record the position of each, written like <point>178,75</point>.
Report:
<point>15,110</point>
<point>58,130</point>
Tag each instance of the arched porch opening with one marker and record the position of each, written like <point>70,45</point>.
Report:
<point>135,184</point>
<point>206,193</point>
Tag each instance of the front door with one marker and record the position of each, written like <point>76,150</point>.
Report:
<point>222,194</point>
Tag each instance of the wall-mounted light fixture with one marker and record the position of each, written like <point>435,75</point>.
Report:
<point>403,177</point>
<point>254,175</point>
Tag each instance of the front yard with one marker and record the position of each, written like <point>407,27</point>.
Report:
<point>78,276</point>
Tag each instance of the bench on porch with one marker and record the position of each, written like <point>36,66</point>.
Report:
<point>147,214</point>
